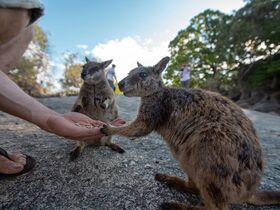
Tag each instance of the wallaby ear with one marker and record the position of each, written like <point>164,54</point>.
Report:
<point>87,60</point>
<point>160,66</point>
<point>139,64</point>
<point>105,64</point>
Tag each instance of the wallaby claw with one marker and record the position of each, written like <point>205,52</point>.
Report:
<point>105,130</point>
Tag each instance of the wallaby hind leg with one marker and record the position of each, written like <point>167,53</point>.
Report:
<point>113,146</point>
<point>182,206</point>
<point>177,183</point>
<point>77,150</point>
<point>179,206</point>
<point>265,198</point>
<point>213,197</point>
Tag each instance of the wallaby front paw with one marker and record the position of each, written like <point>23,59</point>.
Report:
<point>173,206</point>
<point>106,130</point>
<point>160,177</point>
<point>117,148</point>
<point>73,155</point>
<point>120,150</point>
<point>167,206</point>
<point>103,106</point>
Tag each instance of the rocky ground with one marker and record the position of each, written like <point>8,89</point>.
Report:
<point>101,179</point>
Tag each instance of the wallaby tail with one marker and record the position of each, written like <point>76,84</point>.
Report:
<point>265,198</point>
<point>77,151</point>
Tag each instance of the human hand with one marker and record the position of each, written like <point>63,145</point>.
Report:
<point>75,126</point>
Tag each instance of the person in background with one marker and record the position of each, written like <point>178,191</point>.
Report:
<point>111,75</point>
<point>16,32</point>
<point>185,76</point>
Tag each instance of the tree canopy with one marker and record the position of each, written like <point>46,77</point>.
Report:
<point>72,73</point>
<point>217,45</point>
<point>31,72</point>
<point>198,46</point>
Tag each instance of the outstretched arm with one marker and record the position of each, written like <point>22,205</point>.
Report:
<point>16,102</point>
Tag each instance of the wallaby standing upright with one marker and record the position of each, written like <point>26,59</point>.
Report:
<point>209,135</point>
<point>96,100</point>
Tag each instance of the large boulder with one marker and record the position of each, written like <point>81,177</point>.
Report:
<point>267,106</point>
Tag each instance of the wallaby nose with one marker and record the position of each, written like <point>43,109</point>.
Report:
<point>83,75</point>
<point>121,84</point>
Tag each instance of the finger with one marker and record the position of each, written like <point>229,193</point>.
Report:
<point>99,125</point>
<point>81,118</point>
<point>97,122</point>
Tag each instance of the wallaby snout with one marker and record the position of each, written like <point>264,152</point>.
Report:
<point>121,85</point>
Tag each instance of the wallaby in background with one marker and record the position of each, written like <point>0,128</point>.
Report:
<point>96,100</point>
<point>209,135</point>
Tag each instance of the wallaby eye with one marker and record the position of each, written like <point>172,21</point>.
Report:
<point>95,69</point>
<point>143,74</point>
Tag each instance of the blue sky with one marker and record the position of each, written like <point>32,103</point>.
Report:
<point>124,30</point>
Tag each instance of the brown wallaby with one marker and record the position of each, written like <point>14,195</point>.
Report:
<point>96,100</point>
<point>209,135</point>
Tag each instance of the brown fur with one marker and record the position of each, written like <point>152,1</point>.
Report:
<point>209,135</point>
<point>96,100</point>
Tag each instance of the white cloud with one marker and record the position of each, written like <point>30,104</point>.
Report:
<point>56,70</point>
<point>82,46</point>
<point>87,52</point>
<point>127,51</point>
<point>227,6</point>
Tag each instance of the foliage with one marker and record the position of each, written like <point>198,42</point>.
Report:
<point>117,90</point>
<point>219,46</point>
<point>198,46</point>
<point>31,71</point>
<point>41,38</point>
<point>72,73</point>
<point>255,29</point>
<point>265,71</point>
<point>255,35</point>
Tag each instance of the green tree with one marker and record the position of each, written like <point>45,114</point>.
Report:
<point>199,46</point>
<point>72,73</point>
<point>255,29</point>
<point>255,34</point>
<point>31,72</point>
<point>222,49</point>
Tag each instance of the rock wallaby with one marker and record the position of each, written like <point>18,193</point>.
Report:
<point>209,135</point>
<point>96,100</point>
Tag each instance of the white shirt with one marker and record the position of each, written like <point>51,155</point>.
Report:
<point>111,74</point>
<point>185,74</point>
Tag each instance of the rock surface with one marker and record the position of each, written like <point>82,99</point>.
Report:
<point>102,179</point>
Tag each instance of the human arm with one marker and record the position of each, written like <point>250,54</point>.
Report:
<point>16,102</point>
